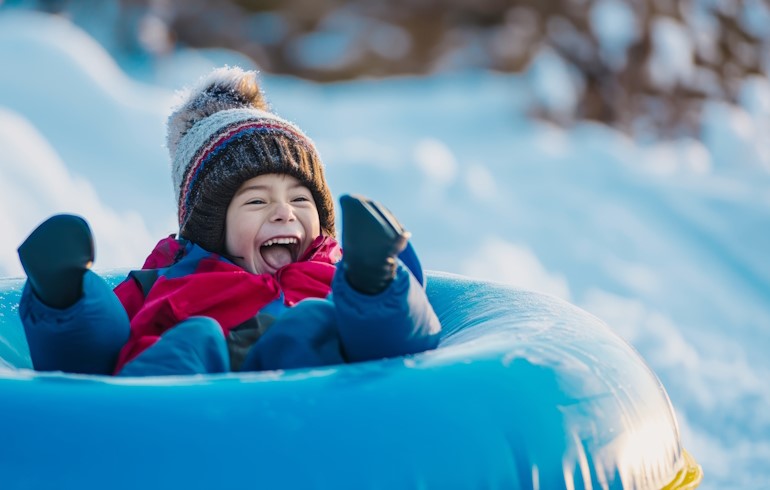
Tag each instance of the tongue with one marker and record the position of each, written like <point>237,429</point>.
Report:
<point>276,256</point>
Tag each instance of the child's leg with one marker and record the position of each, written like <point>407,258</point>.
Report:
<point>84,338</point>
<point>303,336</point>
<point>395,322</point>
<point>381,307</point>
<point>372,239</point>
<point>195,346</point>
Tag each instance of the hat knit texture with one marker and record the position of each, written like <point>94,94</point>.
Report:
<point>222,135</point>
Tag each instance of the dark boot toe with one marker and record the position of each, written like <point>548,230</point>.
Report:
<point>372,238</point>
<point>55,256</point>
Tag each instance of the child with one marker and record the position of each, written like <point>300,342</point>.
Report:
<point>247,284</point>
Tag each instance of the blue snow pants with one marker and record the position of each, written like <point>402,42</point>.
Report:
<point>84,338</point>
<point>348,326</point>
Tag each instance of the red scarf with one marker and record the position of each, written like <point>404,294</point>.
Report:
<point>216,288</point>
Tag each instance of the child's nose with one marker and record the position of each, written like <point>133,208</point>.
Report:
<point>283,212</point>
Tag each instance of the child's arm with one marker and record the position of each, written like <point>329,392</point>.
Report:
<point>382,309</point>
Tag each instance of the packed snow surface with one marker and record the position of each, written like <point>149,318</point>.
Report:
<point>665,241</point>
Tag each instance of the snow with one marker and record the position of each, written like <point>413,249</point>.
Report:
<point>615,26</point>
<point>672,62</point>
<point>554,84</point>
<point>436,161</point>
<point>513,264</point>
<point>105,112</point>
<point>35,181</point>
<point>665,241</point>
<point>756,18</point>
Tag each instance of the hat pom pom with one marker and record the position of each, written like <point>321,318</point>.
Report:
<point>225,88</point>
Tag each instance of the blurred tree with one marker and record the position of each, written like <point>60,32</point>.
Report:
<point>643,66</point>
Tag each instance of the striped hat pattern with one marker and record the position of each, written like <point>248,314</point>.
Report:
<point>223,135</point>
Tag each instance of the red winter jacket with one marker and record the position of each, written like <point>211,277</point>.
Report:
<point>180,280</point>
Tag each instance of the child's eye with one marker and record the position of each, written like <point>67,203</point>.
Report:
<point>255,201</point>
<point>301,199</point>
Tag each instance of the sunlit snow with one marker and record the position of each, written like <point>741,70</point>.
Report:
<point>665,241</point>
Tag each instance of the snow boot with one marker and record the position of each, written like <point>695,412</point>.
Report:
<point>55,256</point>
<point>372,238</point>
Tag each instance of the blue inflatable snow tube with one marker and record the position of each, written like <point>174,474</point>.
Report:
<point>525,391</point>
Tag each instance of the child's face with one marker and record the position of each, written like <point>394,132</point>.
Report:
<point>271,221</point>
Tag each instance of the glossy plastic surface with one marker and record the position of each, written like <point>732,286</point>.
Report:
<point>525,391</point>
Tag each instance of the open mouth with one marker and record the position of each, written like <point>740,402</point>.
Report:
<point>280,251</point>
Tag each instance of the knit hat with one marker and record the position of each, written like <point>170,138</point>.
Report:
<point>222,135</point>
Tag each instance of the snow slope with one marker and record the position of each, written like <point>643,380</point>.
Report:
<point>666,242</point>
